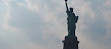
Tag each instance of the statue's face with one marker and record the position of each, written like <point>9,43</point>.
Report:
<point>71,9</point>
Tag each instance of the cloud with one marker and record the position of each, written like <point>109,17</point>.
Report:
<point>107,3</point>
<point>106,12</point>
<point>41,24</point>
<point>7,15</point>
<point>31,26</point>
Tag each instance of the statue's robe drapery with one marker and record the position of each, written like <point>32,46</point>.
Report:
<point>71,20</point>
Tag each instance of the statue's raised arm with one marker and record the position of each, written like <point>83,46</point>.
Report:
<point>66,5</point>
<point>71,20</point>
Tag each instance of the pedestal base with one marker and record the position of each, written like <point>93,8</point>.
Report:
<point>70,42</point>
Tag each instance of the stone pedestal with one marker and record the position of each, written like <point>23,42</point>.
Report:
<point>70,42</point>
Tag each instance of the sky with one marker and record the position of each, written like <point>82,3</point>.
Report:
<point>42,24</point>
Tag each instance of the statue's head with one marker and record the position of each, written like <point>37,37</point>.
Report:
<point>65,0</point>
<point>71,9</point>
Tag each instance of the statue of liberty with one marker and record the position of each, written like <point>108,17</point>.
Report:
<point>71,21</point>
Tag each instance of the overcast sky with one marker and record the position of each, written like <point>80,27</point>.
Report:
<point>42,24</point>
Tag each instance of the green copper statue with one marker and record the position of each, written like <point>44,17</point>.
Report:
<point>71,21</point>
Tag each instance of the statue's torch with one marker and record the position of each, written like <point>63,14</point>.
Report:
<point>66,4</point>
